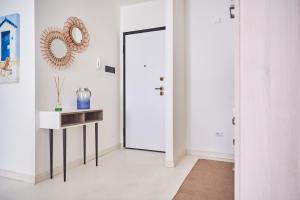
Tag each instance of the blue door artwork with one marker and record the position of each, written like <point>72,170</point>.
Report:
<point>9,48</point>
<point>5,42</point>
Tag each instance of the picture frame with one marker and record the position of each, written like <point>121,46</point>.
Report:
<point>9,48</point>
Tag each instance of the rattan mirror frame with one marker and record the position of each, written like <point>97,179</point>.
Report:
<point>48,36</point>
<point>74,22</point>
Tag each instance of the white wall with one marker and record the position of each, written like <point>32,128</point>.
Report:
<point>149,14</point>
<point>102,21</point>
<point>17,102</point>
<point>270,109</point>
<point>210,78</point>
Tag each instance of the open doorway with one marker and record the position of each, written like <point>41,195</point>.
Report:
<point>205,79</point>
<point>153,15</point>
<point>212,54</point>
<point>146,79</point>
<point>143,89</point>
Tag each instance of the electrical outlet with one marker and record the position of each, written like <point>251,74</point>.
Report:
<point>219,134</point>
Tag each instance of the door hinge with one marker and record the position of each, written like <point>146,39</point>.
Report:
<point>233,121</point>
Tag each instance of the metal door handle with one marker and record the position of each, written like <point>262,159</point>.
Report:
<point>160,88</point>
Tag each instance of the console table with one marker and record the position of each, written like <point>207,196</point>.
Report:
<point>69,119</point>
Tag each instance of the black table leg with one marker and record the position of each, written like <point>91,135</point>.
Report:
<point>84,144</point>
<point>65,152</point>
<point>51,152</point>
<point>96,142</point>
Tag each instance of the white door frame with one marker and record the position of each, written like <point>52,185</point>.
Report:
<point>169,17</point>
<point>169,161</point>
<point>237,93</point>
<point>163,28</point>
<point>169,157</point>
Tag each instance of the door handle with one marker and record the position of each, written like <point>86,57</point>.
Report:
<point>160,88</point>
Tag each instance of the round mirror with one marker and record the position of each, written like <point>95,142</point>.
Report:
<point>76,35</point>
<point>59,48</point>
<point>55,49</point>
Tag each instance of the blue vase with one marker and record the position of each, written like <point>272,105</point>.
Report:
<point>83,98</point>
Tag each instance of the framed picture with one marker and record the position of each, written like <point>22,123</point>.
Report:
<point>9,48</point>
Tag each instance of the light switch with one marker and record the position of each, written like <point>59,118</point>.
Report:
<point>98,64</point>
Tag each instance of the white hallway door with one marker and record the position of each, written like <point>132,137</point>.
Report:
<point>145,103</point>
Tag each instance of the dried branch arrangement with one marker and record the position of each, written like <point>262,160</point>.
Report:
<point>48,36</point>
<point>58,84</point>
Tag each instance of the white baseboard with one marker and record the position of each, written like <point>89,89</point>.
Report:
<point>17,176</point>
<point>180,157</point>
<point>171,164</point>
<point>211,155</point>
<point>58,170</point>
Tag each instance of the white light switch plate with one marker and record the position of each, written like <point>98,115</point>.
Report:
<point>98,64</point>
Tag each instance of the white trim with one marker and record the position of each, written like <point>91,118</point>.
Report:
<point>169,158</point>
<point>211,155</point>
<point>237,94</point>
<point>180,157</point>
<point>17,176</point>
<point>59,169</point>
<point>169,164</point>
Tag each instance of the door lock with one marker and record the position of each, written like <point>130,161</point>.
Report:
<point>161,90</point>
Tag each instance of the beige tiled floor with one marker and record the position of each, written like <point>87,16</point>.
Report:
<point>121,175</point>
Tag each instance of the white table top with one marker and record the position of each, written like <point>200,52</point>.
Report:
<point>69,118</point>
<point>72,111</point>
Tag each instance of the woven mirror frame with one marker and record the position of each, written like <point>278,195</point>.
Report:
<point>74,22</point>
<point>47,38</point>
